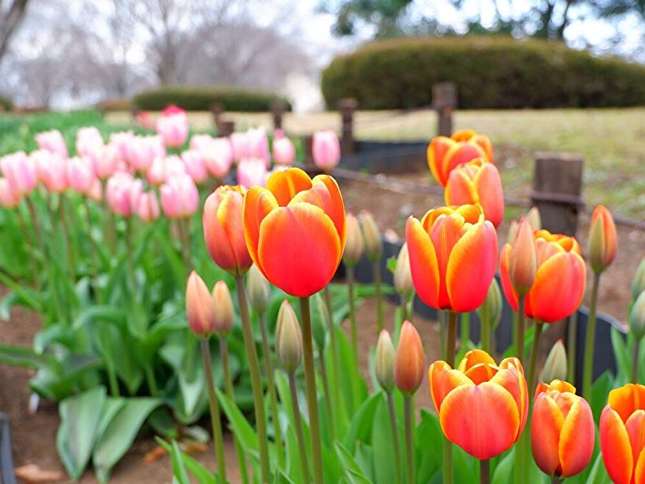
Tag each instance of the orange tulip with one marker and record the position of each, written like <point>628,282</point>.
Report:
<point>562,430</point>
<point>409,360</point>
<point>295,230</point>
<point>622,434</point>
<point>482,406</point>
<point>477,182</point>
<point>559,283</point>
<point>602,239</point>
<point>224,231</point>
<point>200,307</point>
<point>453,257</point>
<point>444,154</point>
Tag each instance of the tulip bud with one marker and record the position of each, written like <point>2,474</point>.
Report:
<point>258,290</point>
<point>602,239</point>
<point>223,305</point>
<point>288,339</point>
<point>534,219</point>
<point>200,310</point>
<point>491,309</point>
<point>638,283</point>
<point>385,355</point>
<point>512,231</point>
<point>371,236</point>
<point>354,246</point>
<point>402,274</point>
<point>555,366</point>
<point>523,259</point>
<point>410,358</point>
<point>637,317</point>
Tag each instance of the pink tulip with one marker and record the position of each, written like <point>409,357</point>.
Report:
<point>251,172</point>
<point>148,207</point>
<point>162,169</point>
<point>96,191</point>
<point>143,150</point>
<point>52,170</point>
<point>284,153</point>
<point>123,193</point>
<point>8,198</point>
<point>217,153</point>
<point>195,165</point>
<point>53,142</point>
<point>80,175</point>
<point>89,142</point>
<point>179,197</point>
<point>326,150</point>
<point>241,146</point>
<point>106,161</point>
<point>121,141</point>
<point>258,144</point>
<point>173,126</point>
<point>20,172</point>
<point>145,120</point>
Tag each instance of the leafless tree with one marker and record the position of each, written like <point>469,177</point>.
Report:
<point>11,17</point>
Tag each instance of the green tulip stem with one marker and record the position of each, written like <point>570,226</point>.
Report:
<point>376,268</point>
<point>297,419</point>
<point>486,323</point>
<point>310,384</point>
<point>230,393</point>
<point>352,308</point>
<point>408,409</point>
<point>71,257</point>
<point>451,343</point>
<point>331,329</point>
<point>273,399</point>
<point>327,391</point>
<point>484,471</point>
<point>465,330</point>
<point>590,340</point>
<point>216,418</point>
<point>112,380</point>
<point>534,353</point>
<point>395,435</point>
<point>572,335</point>
<point>521,325</point>
<point>635,358</point>
<point>442,316</point>
<point>256,382</point>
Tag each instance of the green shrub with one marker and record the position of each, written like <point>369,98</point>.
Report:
<point>490,72</point>
<point>6,104</point>
<point>202,98</point>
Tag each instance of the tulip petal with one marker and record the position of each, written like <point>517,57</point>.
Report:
<point>258,203</point>
<point>615,447</point>
<point>285,184</point>
<point>558,287</point>
<point>576,438</point>
<point>423,263</point>
<point>635,426</point>
<point>445,232</point>
<point>481,419</point>
<point>443,379</point>
<point>546,424</point>
<point>511,376</point>
<point>458,154</point>
<point>436,152</point>
<point>471,267</point>
<point>298,250</point>
<point>627,399</point>
<point>475,357</point>
<point>504,271</point>
<point>489,189</point>
<point>639,472</point>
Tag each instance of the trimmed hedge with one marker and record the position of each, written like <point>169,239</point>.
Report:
<point>202,98</point>
<point>6,104</point>
<point>490,72</point>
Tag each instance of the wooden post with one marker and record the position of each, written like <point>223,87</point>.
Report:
<point>277,112</point>
<point>226,128</point>
<point>347,106</point>
<point>444,101</point>
<point>307,142</point>
<point>217,111</point>
<point>557,189</point>
<point>134,112</point>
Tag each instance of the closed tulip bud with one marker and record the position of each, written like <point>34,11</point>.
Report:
<point>200,310</point>
<point>385,355</point>
<point>602,243</point>
<point>354,246</point>
<point>325,149</point>
<point>562,430</point>
<point>258,289</point>
<point>637,317</point>
<point>523,259</point>
<point>402,274</point>
<point>555,366</point>
<point>638,283</point>
<point>288,338</point>
<point>410,359</point>
<point>534,219</point>
<point>371,236</point>
<point>223,305</point>
<point>491,309</point>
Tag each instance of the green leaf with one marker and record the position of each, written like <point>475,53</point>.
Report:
<point>119,434</point>
<point>352,471</point>
<point>504,471</point>
<point>360,429</point>
<point>196,468</point>
<point>428,435</point>
<point>623,358</point>
<point>179,474</point>
<point>598,474</point>
<point>599,391</point>
<point>24,357</point>
<point>80,416</point>
<point>241,427</point>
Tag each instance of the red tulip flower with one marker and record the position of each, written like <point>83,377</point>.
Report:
<point>453,257</point>
<point>482,406</point>
<point>562,430</point>
<point>444,154</point>
<point>295,230</point>
<point>477,182</point>
<point>559,283</point>
<point>622,434</point>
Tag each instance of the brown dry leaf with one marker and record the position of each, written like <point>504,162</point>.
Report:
<point>31,473</point>
<point>193,447</point>
<point>154,455</point>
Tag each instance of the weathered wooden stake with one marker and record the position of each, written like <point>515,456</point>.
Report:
<point>557,189</point>
<point>217,111</point>
<point>444,101</point>
<point>226,128</point>
<point>277,112</point>
<point>347,106</point>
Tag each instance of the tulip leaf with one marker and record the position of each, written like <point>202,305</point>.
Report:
<point>190,464</point>
<point>360,429</point>
<point>383,444</point>
<point>428,436</point>
<point>80,417</point>
<point>622,355</point>
<point>503,473</point>
<point>352,471</point>
<point>240,426</point>
<point>599,391</point>
<point>180,476</point>
<point>598,474</point>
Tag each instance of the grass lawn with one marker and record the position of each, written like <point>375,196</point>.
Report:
<point>612,141</point>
